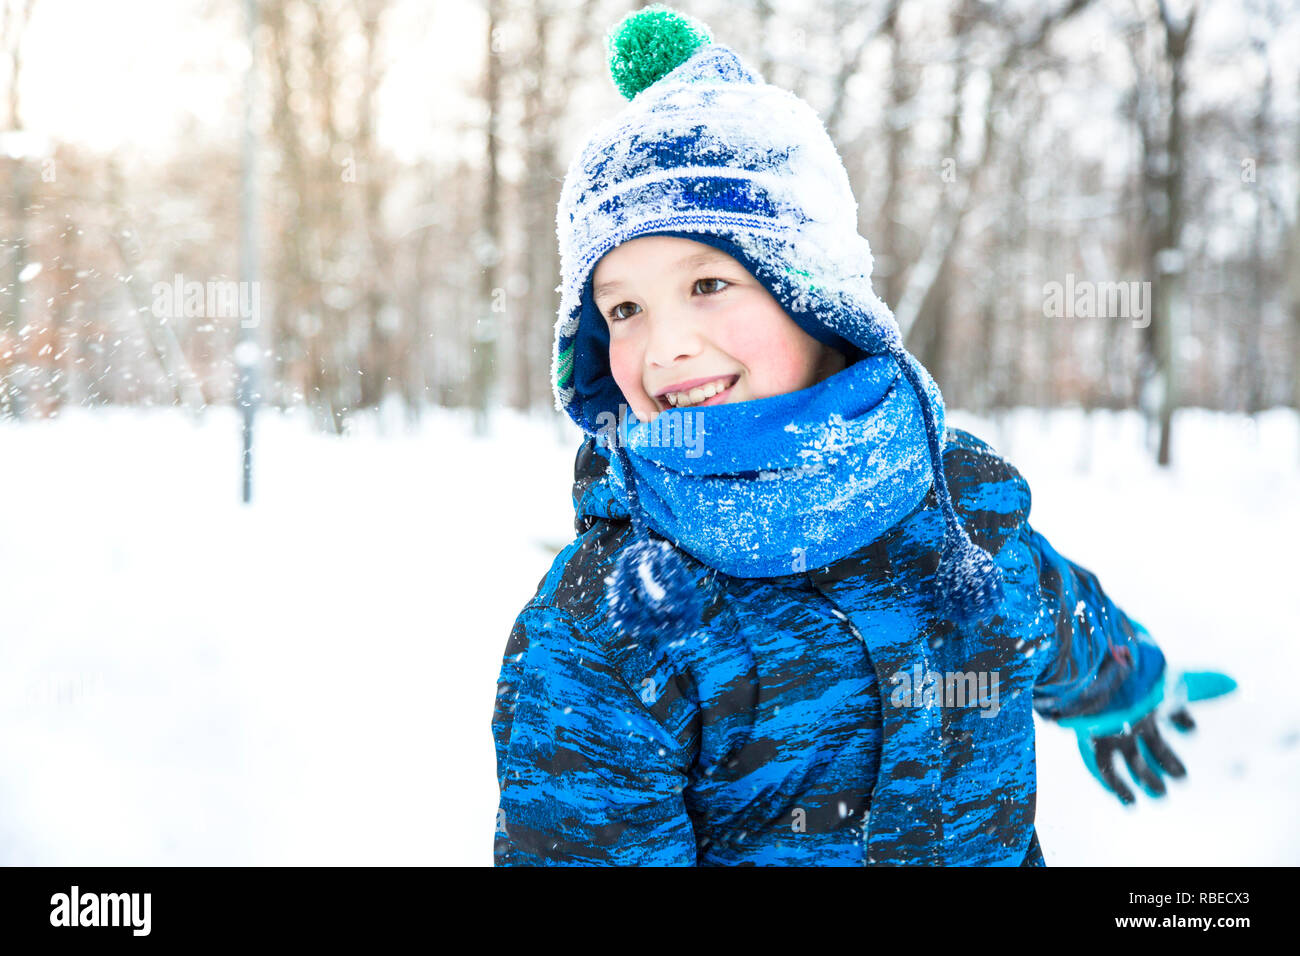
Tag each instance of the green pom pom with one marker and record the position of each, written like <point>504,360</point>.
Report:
<point>650,43</point>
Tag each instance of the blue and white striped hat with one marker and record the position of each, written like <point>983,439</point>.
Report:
<point>707,150</point>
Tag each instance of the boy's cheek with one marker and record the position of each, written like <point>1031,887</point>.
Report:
<point>776,362</point>
<point>625,366</point>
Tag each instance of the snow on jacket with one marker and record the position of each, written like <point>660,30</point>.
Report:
<point>816,718</point>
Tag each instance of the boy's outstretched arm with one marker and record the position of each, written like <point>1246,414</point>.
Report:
<point>1101,659</point>
<point>587,775</point>
<point>1105,678</point>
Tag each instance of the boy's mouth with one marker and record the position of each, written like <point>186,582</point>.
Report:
<point>699,391</point>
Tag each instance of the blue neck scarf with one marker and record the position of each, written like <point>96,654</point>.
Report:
<point>778,485</point>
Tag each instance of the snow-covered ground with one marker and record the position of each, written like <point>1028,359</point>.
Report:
<point>310,679</point>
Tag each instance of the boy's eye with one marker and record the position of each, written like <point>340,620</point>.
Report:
<point>615,315</point>
<point>711,287</point>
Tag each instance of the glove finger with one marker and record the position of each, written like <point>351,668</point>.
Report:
<point>1139,768</point>
<point>1103,763</point>
<point>1203,685</point>
<point>1182,720</point>
<point>1155,748</point>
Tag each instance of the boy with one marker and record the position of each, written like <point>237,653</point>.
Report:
<point>817,632</point>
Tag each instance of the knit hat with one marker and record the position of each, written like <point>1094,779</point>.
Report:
<point>707,150</point>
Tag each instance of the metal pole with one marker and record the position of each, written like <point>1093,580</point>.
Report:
<point>248,352</point>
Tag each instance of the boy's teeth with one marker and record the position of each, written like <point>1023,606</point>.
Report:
<point>696,395</point>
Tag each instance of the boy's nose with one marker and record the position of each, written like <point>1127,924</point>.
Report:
<point>671,339</point>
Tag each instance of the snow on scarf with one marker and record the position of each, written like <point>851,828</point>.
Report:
<point>776,485</point>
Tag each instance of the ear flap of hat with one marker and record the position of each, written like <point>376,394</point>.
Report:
<point>594,390</point>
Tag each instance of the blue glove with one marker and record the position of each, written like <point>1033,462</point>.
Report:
<point>1134,733</point>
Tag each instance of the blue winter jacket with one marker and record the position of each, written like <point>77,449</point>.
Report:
<point>821,718</point>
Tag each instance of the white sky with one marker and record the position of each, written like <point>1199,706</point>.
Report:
<point>147,73</point>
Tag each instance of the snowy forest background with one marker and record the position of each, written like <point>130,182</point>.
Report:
<point>235,678</point>
<point>994,148</point>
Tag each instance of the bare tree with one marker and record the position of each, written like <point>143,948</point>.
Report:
<point>1161,126</point>
<point>945,229</point>
<point>1292,290</point>
<point>487,243</point>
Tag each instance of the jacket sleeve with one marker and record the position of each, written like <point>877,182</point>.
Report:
<point>587,775</point>
<point>1100,660</point>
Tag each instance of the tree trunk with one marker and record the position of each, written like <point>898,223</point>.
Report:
<point>483,336</point>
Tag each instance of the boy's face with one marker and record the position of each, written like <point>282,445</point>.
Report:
<point>689,325</point>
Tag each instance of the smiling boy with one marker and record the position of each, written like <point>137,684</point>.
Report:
<point>710,674</point>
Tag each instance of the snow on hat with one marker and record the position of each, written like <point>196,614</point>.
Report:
<point>707,150</point>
